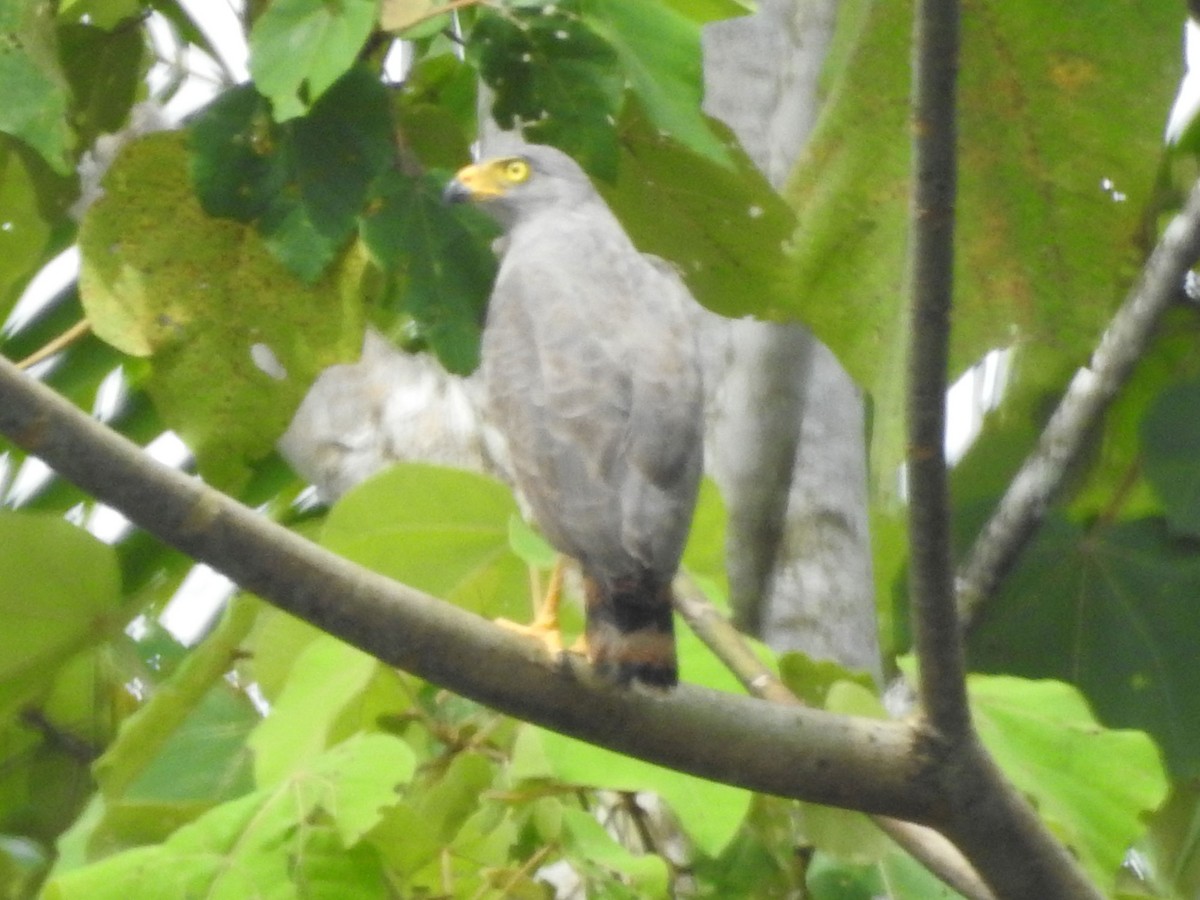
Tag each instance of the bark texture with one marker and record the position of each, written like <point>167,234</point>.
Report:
<point>786,425</point>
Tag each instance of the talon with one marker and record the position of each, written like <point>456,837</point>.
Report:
<point>545,626</point>
<point>543,630</point>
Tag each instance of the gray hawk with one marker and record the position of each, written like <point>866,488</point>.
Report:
<point>593,377</point>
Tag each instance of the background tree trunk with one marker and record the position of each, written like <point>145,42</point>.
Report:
<point>786,425</point>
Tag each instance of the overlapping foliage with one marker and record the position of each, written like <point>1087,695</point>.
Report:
<point>225,266</point>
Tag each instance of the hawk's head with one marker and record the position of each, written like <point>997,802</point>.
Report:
<point>520,184</point>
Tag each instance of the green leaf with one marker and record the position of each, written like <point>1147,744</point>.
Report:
<point>452,526</point>
<point>327,677</point>
<point>1172,844</point>
<point>105,70</point>
<point>830,879</point>
<point>278,640</point>
<point>36,95</point>
<point>1042,127</point>
<point>435,109</point>
<point>1045,739</point>
<point>906,879</point>
<point>415,833</point>
<point>202,297</point>
<point>723,228</point>
<point>812,680</point>
<point>301,834</point>
<point>551,74</point>
<point>590,847</point>
<point>448,268</point>
<point>704,554</point>
<point>24,235</point>
<point>659,49</point>
<point>51,611</point>
<point>1115,617</point>
<point>104,14</point>
<point>46,748</point>
<point>1170,435</point>
<point>205,759</point>
<point>201,763</point>
<point>709,813</point>
<point>1117,483</point>
<point>358,780</point>
<point>304,182</point>
<point>299,48</point>
<point>529,545</point>
<point>704,11</point>
<point>238,157</point>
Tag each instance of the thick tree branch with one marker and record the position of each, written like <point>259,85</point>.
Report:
<point>938,642</point>
<point>1023,506</point>
<point>767,747</point>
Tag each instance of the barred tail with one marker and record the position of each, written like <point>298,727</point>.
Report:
<point>631,631</point>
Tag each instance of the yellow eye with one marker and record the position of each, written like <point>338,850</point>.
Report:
<point>516,170</point>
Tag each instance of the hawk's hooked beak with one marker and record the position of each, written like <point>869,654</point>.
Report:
<point>475,182</point>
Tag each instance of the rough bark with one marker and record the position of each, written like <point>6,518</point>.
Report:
<point>786,427</point>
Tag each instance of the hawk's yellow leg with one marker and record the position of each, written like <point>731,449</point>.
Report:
<point>545,626</point>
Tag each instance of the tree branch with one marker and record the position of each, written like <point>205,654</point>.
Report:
<point>1023,506</point>
<point>985,811</point>
<point>925,845</point>
<point>787,751</point>
<point>938,642</point>
<point>889,768</point>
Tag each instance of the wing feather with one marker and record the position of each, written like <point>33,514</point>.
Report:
<point>592,369</point>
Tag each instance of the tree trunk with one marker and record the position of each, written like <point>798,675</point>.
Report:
<point>786,424</point>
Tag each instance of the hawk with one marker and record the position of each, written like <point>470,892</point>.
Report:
<point>593,377</point>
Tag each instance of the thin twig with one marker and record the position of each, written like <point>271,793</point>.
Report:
<point>728,644</point>
<point>938,643</point>
<point>1023,506</point>
<point>925,845</point>
<point>75,333</point>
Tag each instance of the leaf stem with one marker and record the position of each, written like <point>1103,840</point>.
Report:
<point>72,335</point>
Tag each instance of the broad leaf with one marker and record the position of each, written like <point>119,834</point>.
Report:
<point>659,49</point>
<point>708,812</point>
<point>1045,250</point>
<point>303,832</point>
<point>328,676</point>
<point>436,110</point>
<point>1170,439</point>
<point>24,235</point>
<point>36,94</point>
<point>552,74</point>
<point>1046,740</point>
<point>303,183</point>
<point>590,847</point>
<point>299,48</point>
<point>723,228</point>
<point>52,611</point>
<point>440,530</point>
<point>1115,610</point>
<point>104,14</point>
<point>220,319</point>
<point>448,270</point>
<point>105,70</point>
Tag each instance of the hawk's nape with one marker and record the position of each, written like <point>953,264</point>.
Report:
<point>593,377</point>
